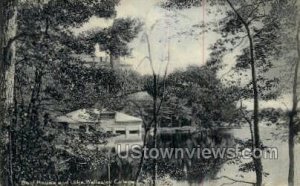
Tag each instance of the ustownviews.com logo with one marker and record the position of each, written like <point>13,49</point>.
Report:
<point>137,151</point>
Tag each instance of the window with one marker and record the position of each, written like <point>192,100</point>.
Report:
<point>134,132</point>
<point>82,128</point>
<point>65,126</point>
<point>120,131</point>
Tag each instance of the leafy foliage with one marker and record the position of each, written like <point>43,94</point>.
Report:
<point>49,74</point>
<point>202,96</point>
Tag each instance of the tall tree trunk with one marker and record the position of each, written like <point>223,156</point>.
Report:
<point>292,115</point>
<point>35,107</point>
<point>8,14</point>
<point>257,143</point>
<point>35,97</point>
<point>155,109</point>
<point>140,168</point>
<point>155,123</point>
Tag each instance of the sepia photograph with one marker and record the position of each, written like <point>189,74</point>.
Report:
<point>149,92</point>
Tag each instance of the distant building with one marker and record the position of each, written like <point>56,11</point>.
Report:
<point>102,61</point>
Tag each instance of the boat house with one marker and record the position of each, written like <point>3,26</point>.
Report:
<point>128,128</point>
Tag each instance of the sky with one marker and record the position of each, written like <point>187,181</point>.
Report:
<point>191,47</point>
<point>184,50</point>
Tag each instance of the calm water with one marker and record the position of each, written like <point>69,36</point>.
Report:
<point>188,170</point>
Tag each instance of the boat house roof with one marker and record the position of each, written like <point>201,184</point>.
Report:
<point>94,115</point>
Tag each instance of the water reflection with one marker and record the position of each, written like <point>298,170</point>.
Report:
<point>191,170</point>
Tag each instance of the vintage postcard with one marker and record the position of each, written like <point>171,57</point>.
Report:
<point>149,92</point>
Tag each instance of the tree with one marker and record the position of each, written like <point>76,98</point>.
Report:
<point>115,39</point>
<point>293,113</point>
<point>179,95</point>
<point>53,78</point>
<point>155,107</point>
<point>211,103</point>
<point>257,142</point>
<point>290,54</point>
<point>8,29</point>
<point>241,21</point>
<point>151,119</point>
<point>144,109</point>
<point>45,41</point>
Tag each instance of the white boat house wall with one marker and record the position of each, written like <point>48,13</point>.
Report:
<point>128,128</point>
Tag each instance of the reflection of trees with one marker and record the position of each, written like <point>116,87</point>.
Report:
<point>194,169</point>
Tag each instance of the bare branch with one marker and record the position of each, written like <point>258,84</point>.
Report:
<point>254,18</point>
<point>164,80</point>
<point>235,180</point>
<point>254,9</point>
<point>146,57</point>
<point>237,13</point>
<point>150,54</point>
<point>241,42</point>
